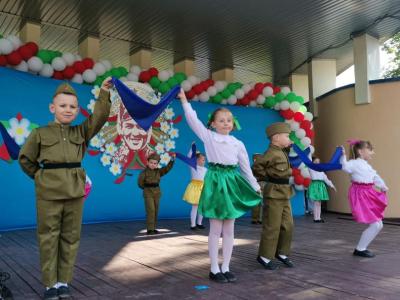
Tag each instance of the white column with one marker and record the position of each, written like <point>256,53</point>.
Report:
<point>225,74</point>
<point>90,47</point>
<point>141,57</point>
<point>30,32</point>
<point>299,85</point>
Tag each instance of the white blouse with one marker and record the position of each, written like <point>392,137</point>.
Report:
<point>361,171</point>
<point>200,171</point>
<point>315,175</point>
<point>221,148</point>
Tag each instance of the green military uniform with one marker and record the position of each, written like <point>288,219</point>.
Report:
<point>149,181</point>
<point>274,166</point>
<point>52,156</point>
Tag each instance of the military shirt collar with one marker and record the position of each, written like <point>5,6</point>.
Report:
<point>54,124</point>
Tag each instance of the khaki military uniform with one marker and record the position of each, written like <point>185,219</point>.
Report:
<point>277,230</point>
<point>256,212</point>
<point>49,156</point>
<point>149,181</point>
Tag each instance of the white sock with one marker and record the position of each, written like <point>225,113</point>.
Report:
<point>199,219</point>
<point>227,243</point>
<point>266,260</point>
<point>368,235</point>
<point>60,284</point>
<point>213,244</point>
<point>317,210</point>
<point>282,256</point>
<point>193,214</point>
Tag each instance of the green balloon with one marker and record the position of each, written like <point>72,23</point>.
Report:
<point>172,82</point>
<point>97,81</point>
<point>163,87</point>
<point>123,71</point>
<point>57,53</point>
<point>291,97</point>
<point>155,82</point>
<point>225,93</point>
<point>115,72</point>
<point>218,98</point>
<point>292,136</point>
<point>279,97</point>
<point>44,55</point>
<point>232,88</point>
<point>180,77</point>
<point>300,99</point>
<point>270,102</point>
<point>302,109</point>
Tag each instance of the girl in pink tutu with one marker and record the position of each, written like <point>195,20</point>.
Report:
<point>367,193</point>
<point>88,186</point>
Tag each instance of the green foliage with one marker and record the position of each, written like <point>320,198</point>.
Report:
<point>392,47</point>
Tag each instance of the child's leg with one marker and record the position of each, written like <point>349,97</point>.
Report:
<point>286,230</point>
<point>193,215</point>
<point>69,239</point>
<point>157,196</point>
<point>213,241</point>
<point>150,209</point>
<point>368,235</point>
<point>255,213</point>
<point>49,214</point>
<point>199,219</point>
<point>317,210</point>
<point>227,243</point>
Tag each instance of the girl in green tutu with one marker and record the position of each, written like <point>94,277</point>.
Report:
<point>317,191</point>
<point>227,193</point>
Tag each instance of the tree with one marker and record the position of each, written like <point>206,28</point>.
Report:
<point>392,47</point>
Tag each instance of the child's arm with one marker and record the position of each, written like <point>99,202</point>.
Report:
<point>92,125</point>
<point>191,117</point>
<point>245,169</point>
<point>329,182</point>
<point>378,181</point>
<point>346,165</point>
<point>29,153</point>
<point>141,180</point>
<point>168,167</point>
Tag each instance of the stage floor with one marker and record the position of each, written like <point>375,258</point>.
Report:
<point>118,261</point>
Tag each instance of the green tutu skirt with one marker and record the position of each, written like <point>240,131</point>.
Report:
<point>317,191</point>
<point>226,194</point>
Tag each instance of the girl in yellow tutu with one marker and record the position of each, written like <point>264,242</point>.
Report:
<point>193,190</point>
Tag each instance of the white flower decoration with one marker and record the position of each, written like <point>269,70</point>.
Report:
<point>174,133</point>
<point>169,144</point>
<point>164,159</point>
<point>95,142</point>
<point>19,130</point>
<point>110,149</point>
<point>164,127</point>
<point>105,160</point>
<point>159,148</point>
<point>169,113</point>
<point>96,91</point>
<point>115,168</point>
<point>90,106</point>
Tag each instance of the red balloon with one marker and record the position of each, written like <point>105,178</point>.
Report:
<point>190,94</point>
<point>79,67</point>
<point>310,133</point>
<point>210,82</point>
<point>245,101</point>
<point>298,179</point>
<point>25,52</point>
<point>68,72</point>
<point>33,46</point>
<point>276,89</point>
<point>153,72</point>
<point>298,117</point>
<point>306,182</point>
<point>305,124</point>
<point>3,60</point>
<point>197,89</point>
<point>259,87</point>
<point>14,58</point>
<point>88,63</point>
<point>253,94</point>
<point>58,75</point>
<point>295,171</point>
<point>269,84</point>
<point>289,114</point>
<point>144,76</point>
<point>238,102</point>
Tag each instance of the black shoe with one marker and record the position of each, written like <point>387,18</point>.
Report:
<point>193,227</point>
<point>150,232</point>
<point>259,222</point>
<point>155,231</point>
<point>229,276</point>
<point>286,261</point>
<point>219,277</point>
<point>51,294</point>
<point>63,292</point>
<point>317,221</point>
<point>270,266</point>
<point>200,226</point>
<point>254,222</point>
<point>364,253</point>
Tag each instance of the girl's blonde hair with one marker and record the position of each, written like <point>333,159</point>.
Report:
<point>214,114</point>
<point>357,146</point>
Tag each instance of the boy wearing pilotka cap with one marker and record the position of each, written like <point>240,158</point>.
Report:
<point>274,167</point>
<point>52,156</point>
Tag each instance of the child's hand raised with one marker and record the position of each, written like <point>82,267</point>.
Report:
<point>107,84</point>
<point>182,96</point>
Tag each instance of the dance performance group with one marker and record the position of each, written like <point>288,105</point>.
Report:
<point>222,192</point>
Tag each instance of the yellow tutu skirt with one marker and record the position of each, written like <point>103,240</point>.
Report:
<point>193,192</point>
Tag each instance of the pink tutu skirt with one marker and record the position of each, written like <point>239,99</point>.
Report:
<point>367,204</point>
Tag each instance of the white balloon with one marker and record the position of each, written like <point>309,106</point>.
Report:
<point>99,69</point>
<point>285,90</point>
<point>292,153</point>
<point>268,91</point>
<point>196,98</point>
<point>232,100</point>
<point>69,58</point>
<point>163,75</point>
<point>252,84</point>
<point>77,78</point>
<point>15,41</point>
<point>186,85</point>
<point>170,73</point>
<point>312,149</point>
<point>239,93</point>
<point>294,126</point>
<point>123,78</point>
<point>58,64</point>
<point>192,79</point>
<point>6,47</point>
<point>23,66</point>
<point>35,64</point>
<point>224,101</point>
<point>132,77</point>
<point>294,106</point>
<point>107,64</point>
<point>89,76</point>
<point>284,105</point>
<point>46,71</point>
<point>299,187</point>
<point>308,116</point>
<point>306,141</point>
<point>135,69</point>
<point>204,96</point>
<point>77,57</point>
<point>305,172</point>
<point>253,103</point>
<point>220,85</point>
<point>300,133</point>
<point>260,99</point>
<point>246,88</point>
<point>212,91</point>
<point>277,106</point>
<point>291,180</point>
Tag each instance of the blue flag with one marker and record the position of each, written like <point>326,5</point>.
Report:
<point>11,145</point>
<point>334,163</point>
<point>141,111</point>
<point>192,160</point>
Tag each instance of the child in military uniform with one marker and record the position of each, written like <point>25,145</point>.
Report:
<point>149,181</point>
<point>277,229</point>
<point>256,212</point>
<point>52,156</point>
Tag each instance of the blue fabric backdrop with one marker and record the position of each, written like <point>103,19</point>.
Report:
<point>31,95</point>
